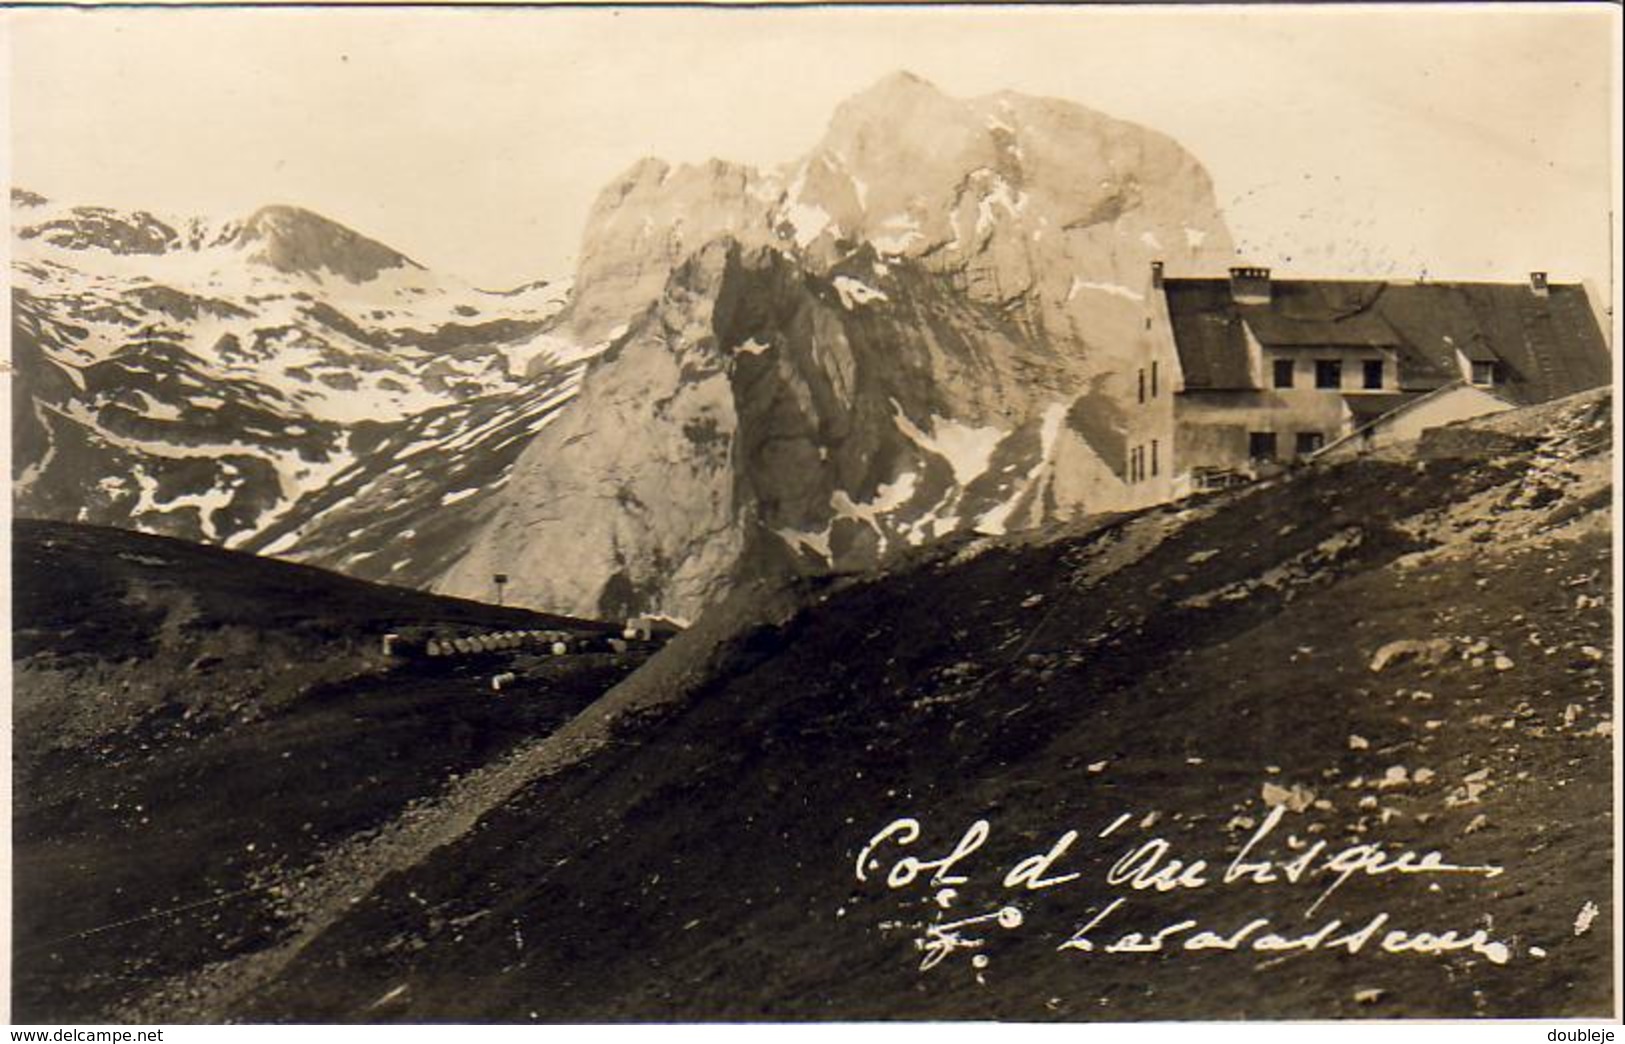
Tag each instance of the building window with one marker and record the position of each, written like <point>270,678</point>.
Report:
<point>1283,373</point>
<point>1153,380</point>
<point>1484,373</point>
<point>1328,373</point>
<point>1153,458</point>
<point>1142,385</point>
<point>1309,442</point>
<point>1261,445</point>
<point>1373,373</point>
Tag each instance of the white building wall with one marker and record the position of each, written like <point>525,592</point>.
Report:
<point>1405,426</point>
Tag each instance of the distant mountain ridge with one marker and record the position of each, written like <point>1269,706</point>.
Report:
<point>212,379</point>
<point>287,238</point>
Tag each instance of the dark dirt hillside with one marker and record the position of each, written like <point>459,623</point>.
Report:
<point>197,730</point>
<point>1386,655</point>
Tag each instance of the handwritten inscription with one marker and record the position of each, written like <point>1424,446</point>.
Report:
<point>893,855</point>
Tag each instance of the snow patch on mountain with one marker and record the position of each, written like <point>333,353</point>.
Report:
<point>855,293</point>
<point>1115,289</point>
<point>995,521</point>
<point>1002,196</point>
<point>896,234</point>
<point>816,542</point>
<point>967,449</point>
<point>809,222</point>
<point>888,498</point>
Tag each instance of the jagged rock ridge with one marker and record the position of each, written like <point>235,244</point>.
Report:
<point>923,325</point>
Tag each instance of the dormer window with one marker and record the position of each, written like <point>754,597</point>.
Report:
<point>1479,365</point>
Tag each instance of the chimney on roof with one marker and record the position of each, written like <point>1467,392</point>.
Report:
<point>1156,275</point>
<point>1250,285</point>
<point>1537,284</point>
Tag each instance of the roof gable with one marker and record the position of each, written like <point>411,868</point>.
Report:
<point>1208,333</point>
<point>1546,346</point>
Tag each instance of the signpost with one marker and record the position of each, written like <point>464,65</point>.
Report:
<point>499,579</point>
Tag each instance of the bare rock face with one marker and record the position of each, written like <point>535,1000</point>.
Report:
<point>644,511</point>
<point>925,325</point>
<point>646,223</point>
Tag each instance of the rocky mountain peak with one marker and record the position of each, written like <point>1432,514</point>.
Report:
<point>647,221</point>
<point>292,239</point>
<point>924,166</point>
<point>926,324</point>
<point>899,101</point>
<point>894,98</point>
<point>1037,204</point>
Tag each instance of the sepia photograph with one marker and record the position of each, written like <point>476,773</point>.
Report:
<point>836,514</point>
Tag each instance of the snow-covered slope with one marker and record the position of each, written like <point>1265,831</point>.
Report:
<point>201,378</point>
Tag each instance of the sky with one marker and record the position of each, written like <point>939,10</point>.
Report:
<point>1471,142</point>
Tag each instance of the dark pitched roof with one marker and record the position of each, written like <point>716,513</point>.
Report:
<point>1546,346</point>
<point>1365,330</point>
<point>1302,313</point>
<point>1208,333</point>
